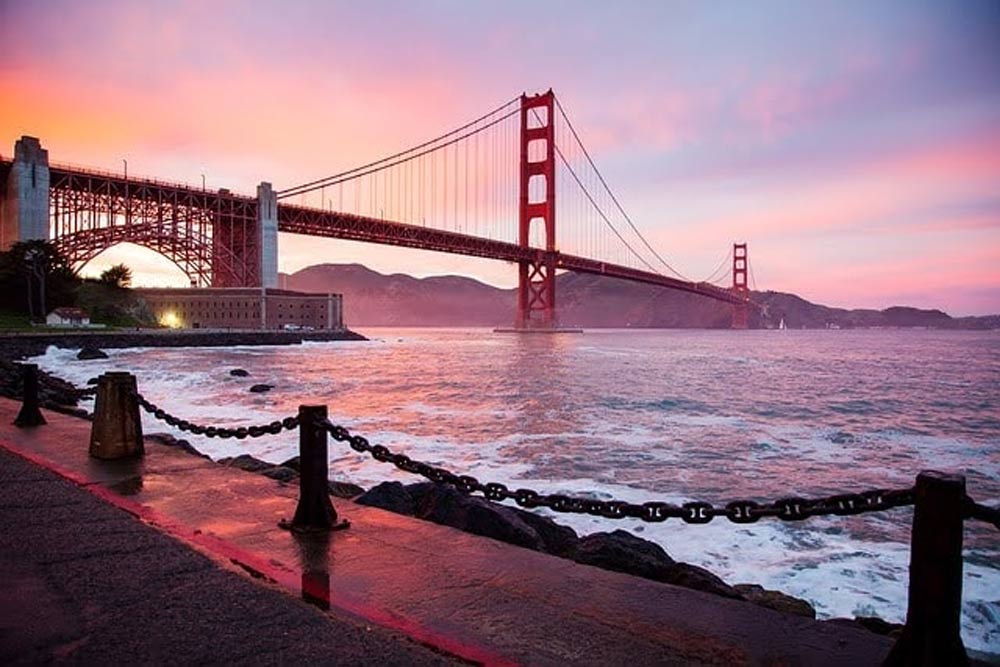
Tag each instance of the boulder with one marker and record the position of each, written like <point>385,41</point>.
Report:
<point>344,489</point>
<point>621,551</point>
<point>246,462</point>
<point>448,506</point>
<point>280,473</point>
<point>559,540</point>
<point>91,352</point>
<point>171,441</point>
<point>239,373</point>
<point>261,388</point>
<point>775,600</point>
<point>870,623</point>
<point>391,496</point>
<point>699,579</point>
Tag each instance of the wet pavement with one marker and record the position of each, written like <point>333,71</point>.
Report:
<point>416,582</point>
<point>87,583</point>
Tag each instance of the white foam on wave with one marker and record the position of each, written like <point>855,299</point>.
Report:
<point>823,560</point>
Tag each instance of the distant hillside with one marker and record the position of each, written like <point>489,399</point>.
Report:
<point>374,299</point>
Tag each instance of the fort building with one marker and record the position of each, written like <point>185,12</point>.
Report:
<point>244,308</point>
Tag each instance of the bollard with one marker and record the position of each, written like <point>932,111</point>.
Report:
<point>117,429</point>
<point>314,512</point>
<point>29,414</point>
<point>932,635</point>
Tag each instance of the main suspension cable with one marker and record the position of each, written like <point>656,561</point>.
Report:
<point>312,185</point>
<point>586,153</point>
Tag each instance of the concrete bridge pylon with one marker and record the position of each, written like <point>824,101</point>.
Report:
<point>24,196</point>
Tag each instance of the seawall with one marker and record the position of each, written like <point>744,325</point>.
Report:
<point>21,345</point>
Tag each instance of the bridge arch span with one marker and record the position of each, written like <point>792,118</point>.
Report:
<point>189,250</point>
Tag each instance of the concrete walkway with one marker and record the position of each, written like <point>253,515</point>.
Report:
<point>85,582</point>
<point>467,596</point>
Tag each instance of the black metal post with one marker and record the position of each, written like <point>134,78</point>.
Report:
<point>932,635</point>
<point>29,414</point>
<point>314,512</point>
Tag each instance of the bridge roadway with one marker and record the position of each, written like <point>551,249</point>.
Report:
<point>107,592</point>
<point>331,224</point>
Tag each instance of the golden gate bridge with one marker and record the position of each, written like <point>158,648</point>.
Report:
<point>488,188</point>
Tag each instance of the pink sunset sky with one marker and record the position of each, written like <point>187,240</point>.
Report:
<point>855,146</point>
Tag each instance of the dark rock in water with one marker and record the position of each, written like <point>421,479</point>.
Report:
<point>293,463</point>
<point>171,441</point>
<point>239,372</point>
<point>92,381</point>
<point>90,352</point>
<point>391,496</point>
<point>775,600</point>
<point>344,489</point>
<point>450,507</point>
<point>246,462</point>
<point>619,551</point>
<point>559,540</point>
<point>447,506</point>
<point>623,552</point>
<point>870,623</point>
<point>699,579</point>
<point>261,388</point>
<point>280,473</point>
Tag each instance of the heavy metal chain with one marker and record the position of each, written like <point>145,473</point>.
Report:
<point>793,508</point>
<point>974,510</point>
<point>240,433</point>
<point>738,511</point>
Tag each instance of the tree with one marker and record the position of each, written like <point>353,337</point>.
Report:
<point>29,267</point>
<point>118,275</point>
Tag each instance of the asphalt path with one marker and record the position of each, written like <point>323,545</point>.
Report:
<point>84,582</point>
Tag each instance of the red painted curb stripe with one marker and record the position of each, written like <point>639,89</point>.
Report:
<point>289,579</point>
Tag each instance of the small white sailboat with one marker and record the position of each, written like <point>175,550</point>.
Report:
<point>781,325</point>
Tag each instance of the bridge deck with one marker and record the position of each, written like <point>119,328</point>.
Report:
<point>331,224</point>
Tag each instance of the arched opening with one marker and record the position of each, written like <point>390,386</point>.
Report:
<point>149,268</point>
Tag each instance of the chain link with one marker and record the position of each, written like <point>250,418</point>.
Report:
<point>239,433</point>
<point>980,512</point>
<point>738,511</point>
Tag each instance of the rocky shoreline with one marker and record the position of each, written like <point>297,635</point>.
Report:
<point>618,550</point>
<point>15,346</point>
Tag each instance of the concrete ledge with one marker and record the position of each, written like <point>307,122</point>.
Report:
<point>483,600</point>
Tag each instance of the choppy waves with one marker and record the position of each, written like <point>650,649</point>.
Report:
<point>640,416</point>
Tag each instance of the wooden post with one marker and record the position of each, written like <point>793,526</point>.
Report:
<point>29,414</point>
<point>314,512</point>
<point>932,635</point>
<point>117,429</point>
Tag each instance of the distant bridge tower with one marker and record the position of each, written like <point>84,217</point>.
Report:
<point>740,310</point>
<point>536,285</point>
<point>24,196</point>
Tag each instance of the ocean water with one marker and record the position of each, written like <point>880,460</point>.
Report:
<point>648,415</point>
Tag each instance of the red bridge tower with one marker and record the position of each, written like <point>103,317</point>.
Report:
<point>740,310</point>
<point>536,285</point>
